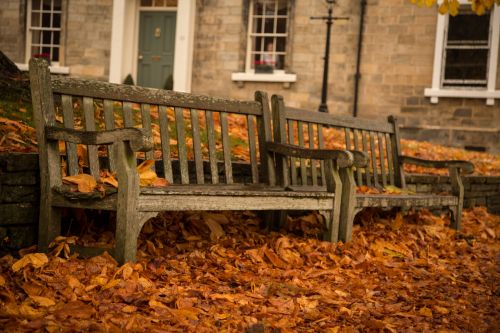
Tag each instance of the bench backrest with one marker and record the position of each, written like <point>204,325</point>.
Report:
<point>191,132</point>
<point>306,128</point>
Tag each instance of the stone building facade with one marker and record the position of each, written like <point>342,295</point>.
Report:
<point>102,39</point>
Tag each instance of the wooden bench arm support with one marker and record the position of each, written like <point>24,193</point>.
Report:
<point>464,166</point>
<point>344,158</point>
<point>138,140</point>
<point>361,158</point>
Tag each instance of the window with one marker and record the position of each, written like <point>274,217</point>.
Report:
<point>466,50</point>
<point>267,35</point>
<point>267,40</point>
<point>44,30</point>
<point>466,56</point>
<point>158,3</point>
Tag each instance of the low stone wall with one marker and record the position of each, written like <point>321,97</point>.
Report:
<point>479,190</point>
<point>19,196</point>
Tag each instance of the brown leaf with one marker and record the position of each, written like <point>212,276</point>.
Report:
<point>36,260</point>
<point>43,301</point>
<point>216,230</point>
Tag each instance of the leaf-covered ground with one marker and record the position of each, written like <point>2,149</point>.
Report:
<point>221,272</point>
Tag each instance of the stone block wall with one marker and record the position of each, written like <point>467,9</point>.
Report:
<point>88,38</point>
<point>479,190</point>
<point>19,200</point>
<point>12,30</point>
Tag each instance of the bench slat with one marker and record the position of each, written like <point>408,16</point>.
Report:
<point>303,170</point>
<point>338,121</point>
<point>365,149</point>
<point>69,122</point>
<point>226,148</point>
<point>382,158</point>
<point>198,159</point>
<point>390,165</point>
<point>374,159</point>
<point>293,160</point>
<point>128,119</point>
<point>212,153</point>
<point>359,178</point>
<point>88,114</point>
<point>321,145</point>
<point>181,145</point>
<point>136,94</point>
<point>314,170</point>
<point>347,132</point>
<point>146,125</point>
<point>165,144</point>
<point>109,122</point>
<point>252,148</point>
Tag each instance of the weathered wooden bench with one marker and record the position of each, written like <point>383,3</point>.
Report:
<point>381,142</point>
<point>186,132</point>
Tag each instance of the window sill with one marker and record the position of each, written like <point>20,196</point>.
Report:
<point>53,69</point>
<point>274,77</point>
<point>489,95</point>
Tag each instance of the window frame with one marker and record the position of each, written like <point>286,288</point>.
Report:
<point>55,66</point>
<point>489,93</point>
<point>278,75</point>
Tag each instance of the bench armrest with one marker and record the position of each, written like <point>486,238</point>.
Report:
<point>138,140</point>
<point>465,166</point>
<point>344,158</point>
<point>360,158</point>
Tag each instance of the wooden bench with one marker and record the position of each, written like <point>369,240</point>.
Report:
<point>380,141</point>
<point>186,132</point>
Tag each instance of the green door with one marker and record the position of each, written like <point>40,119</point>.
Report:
<point>156,49</point>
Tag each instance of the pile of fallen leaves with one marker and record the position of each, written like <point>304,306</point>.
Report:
<point>16,136</point>
<point>484,163</point>
<point>221,272</point>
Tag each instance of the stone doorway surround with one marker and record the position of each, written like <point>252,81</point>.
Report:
<point>125,41</point>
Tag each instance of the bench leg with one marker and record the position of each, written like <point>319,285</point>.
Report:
<point>126,240</point>
<point>274,219</point>
<point>348,204</point>
<point>127,218</point>
<point>458,190</point>
<point>456,217</point>
<point>49,225</point>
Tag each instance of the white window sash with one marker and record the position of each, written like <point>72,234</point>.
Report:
<point>278,75</point>
<point>54,65</point>
<point>489,93</point>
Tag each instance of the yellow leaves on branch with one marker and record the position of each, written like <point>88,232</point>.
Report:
<point>452,6</point>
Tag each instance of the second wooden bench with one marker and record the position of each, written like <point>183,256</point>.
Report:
<point>380,141</point>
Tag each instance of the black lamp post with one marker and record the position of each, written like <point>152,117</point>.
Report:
<point>323,107</point>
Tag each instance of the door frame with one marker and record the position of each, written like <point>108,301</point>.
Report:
<point>124,50</point>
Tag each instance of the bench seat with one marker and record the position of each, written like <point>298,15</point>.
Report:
<point>404,200</point>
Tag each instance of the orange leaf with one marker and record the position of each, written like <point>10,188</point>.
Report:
<point>86,183</point>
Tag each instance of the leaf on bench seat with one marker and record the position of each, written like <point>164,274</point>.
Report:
<point>148,176</point>
<point>86,183</point>
<point>367,190</point>
<point>390,189</point>
<point>107,178</point>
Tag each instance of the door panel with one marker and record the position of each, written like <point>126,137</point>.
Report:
<point>156,48</point>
